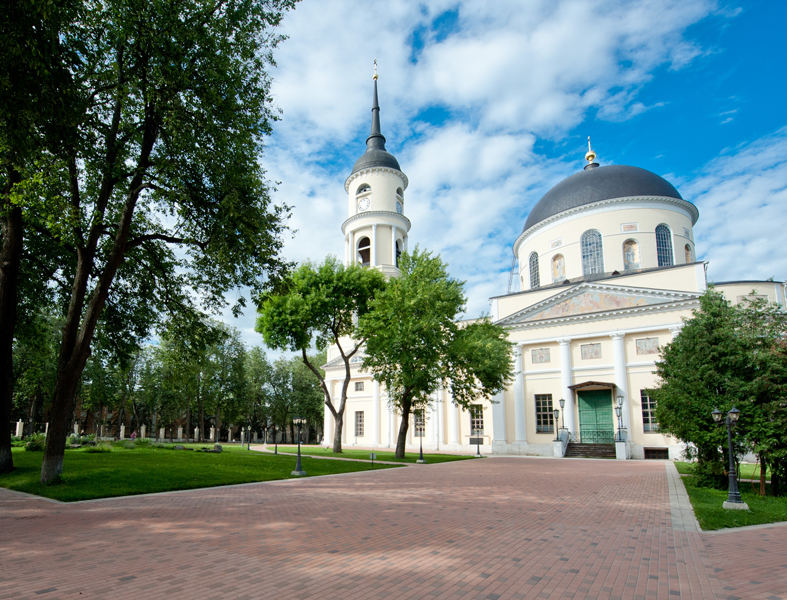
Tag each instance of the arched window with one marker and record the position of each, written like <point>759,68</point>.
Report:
<point>535,280</point>
<point>363,188</point>
<point>631,255</point>
<point>558,268</point>
<point>400,193</point>
<point>592,252</point>
<point>398,251</point>
<point>664,246</point>
<point>687,250</point>
<point>364,251</point>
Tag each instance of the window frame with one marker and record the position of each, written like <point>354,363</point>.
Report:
<point>544,410</point>
<point>359,424</point>
<point>535,277</point>
<point>476,417</point>
<point>591,245</point>
<point>359,386</point>
<point>665,253</point>
<point>648,407</point>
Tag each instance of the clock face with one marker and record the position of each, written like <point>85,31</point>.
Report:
<point>363,203</point>
<point>399,207</point>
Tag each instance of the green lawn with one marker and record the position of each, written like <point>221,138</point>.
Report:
<point>364,454</point>
<point>144,470</point>
<point>747,470</point>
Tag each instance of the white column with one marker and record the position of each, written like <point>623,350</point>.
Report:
<point>142,432</point>
<point>374,246</point>
<point>519,396</point>
<point>180,434</point>
<point>196,434</point>
<point>440,418</point>
<point>499,419</point>
<point>391,422</point>
<point>20,428</point>
<point>352,248</point>
<point>375,412</point>
<point>621,381</point>
<point>122,432</point>
<point>327,423</point>
<point>566,380</point>
<point>76,428</point>
<point>393,244</point>
<point>675,330</point>
<point>346,250</point>
<point>453,420</point>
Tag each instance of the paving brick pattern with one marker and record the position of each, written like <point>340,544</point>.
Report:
<point>497,529</point>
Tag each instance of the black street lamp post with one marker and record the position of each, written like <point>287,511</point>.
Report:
<point>734,500</point>
<point>556,414</point>
<point>562,418</point>
<point>421,428</point>
<point>619,414</point>
<point>298,472</point>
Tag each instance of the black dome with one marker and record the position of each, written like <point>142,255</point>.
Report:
<point>600,183</point>
<point>376,158</point>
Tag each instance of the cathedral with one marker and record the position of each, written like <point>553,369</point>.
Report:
<point>607,274</point>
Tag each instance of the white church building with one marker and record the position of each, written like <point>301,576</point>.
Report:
<point>607,273</point>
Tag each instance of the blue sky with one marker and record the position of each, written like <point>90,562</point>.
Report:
<point>487,105</point>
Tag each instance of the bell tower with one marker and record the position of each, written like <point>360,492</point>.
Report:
<point>375,232</point>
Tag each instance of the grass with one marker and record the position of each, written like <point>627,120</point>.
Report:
<point>143,470</point>
<point>708,502</point>
<point>747,470</point>
<point>364,454</point>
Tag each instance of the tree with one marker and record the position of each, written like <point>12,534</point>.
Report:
<point>415,344</point>
<point>727,356</point>
<point>318,304</point>
<point>165,151</point>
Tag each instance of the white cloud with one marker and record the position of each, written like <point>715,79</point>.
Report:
<point>506,73</point>
<point>742,197</point>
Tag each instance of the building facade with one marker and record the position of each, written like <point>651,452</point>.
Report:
<point>607,273</point>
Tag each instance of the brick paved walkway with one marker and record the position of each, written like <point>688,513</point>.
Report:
<point>497,529</point>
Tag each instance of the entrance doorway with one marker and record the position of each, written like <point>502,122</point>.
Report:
<point>595,417</point>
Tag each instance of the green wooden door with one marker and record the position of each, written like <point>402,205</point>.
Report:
<point>595,417</point>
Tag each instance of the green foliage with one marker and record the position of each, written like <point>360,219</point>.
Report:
<point>99,448</point>
<point>727,356</point>
<point>319,304</point>
<point>415,345</point>
<point>35,443</point>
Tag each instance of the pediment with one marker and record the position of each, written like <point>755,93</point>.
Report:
<point>587,299</point>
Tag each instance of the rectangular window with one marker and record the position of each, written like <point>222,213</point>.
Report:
<point>359,386</point>
<point>419,423</point>
<point>590,351</point>
<point>358,423</point>
<point>545,419</point>
<point>476,419</point>
<point>648,412</point>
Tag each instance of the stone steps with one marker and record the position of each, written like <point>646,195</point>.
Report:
<point>590,450</point>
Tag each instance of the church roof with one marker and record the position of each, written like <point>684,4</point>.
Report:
<point>596,184</point>
<point>376,154</point>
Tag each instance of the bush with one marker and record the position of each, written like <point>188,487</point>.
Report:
<point>711,474</point>
<point>100,447</point>
<point>36,442</point>
<point>125,444</point>
<point>142,442</point>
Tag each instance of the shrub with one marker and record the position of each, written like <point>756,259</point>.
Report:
<point>142,442</point>
<point>125,444</point>
<point>100,447</point>
<point>36,442</point>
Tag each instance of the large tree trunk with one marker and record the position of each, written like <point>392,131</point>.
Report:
<point>401,439</point>
<point>59,418</point>
<point>10,260</point>
<point>337,432</point>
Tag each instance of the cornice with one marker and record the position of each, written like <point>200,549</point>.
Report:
<point>607,314</point>
<point>377,213</point>
<point>684,204</point>
<point>357,174</point>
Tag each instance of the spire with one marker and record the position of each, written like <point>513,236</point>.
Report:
<point>375,141</point>
<point>590,156</point>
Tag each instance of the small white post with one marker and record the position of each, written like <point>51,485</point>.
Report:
<point>212,434</point>
<point>196,432</point>
<point>142,432</point>
<point>161,434</point>
<point>76,428</point>
<point>241,436</point>
<point>46,428</point>
<point>180,434</point>
<point>122,432</point>
<point>20,428</point>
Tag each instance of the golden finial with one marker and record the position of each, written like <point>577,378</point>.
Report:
<point>590,156</point>
<point>375,69</point>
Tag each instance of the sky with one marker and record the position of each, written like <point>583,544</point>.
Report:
<point>487,105</point>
